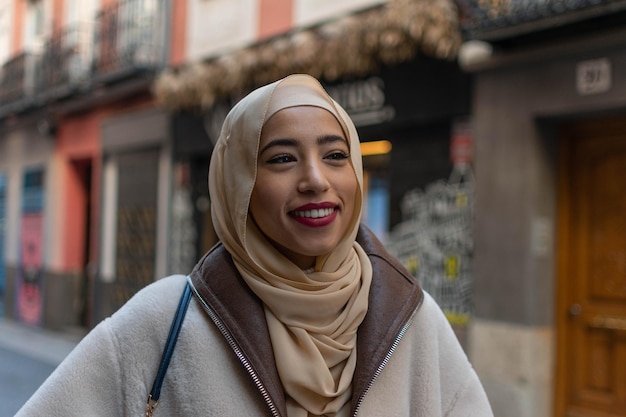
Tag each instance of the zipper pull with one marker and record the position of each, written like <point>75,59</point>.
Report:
<point>150,406</point>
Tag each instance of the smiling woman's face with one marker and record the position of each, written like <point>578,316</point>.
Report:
<point>304,194</point>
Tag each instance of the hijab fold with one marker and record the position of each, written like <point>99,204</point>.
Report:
<point>312,317</point>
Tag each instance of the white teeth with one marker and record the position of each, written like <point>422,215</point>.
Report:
<point>315,213</point>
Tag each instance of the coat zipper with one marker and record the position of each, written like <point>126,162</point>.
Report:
<point>237,350</point>
<point>254,375</point>
<point>387,357</point>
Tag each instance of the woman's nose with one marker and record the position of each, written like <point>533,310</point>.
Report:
<point>313,178</point>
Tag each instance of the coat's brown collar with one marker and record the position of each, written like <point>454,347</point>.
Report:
<point>394,296</point>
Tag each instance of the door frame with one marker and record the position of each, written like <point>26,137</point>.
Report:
<point>562,292</point>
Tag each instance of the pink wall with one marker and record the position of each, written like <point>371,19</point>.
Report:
<point>58,7</point>
<point>179,30</point>
<point>19,20</point>
<point>275,17</point>
<point>78,146</point>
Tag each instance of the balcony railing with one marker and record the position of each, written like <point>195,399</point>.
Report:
<point>486,15</point>
<point>129,35</point>
<point>126,39</point>
<point>17,78</point>
<point>65,60</point>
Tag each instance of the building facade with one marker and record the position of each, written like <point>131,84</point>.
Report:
<point>549,117</point>
<point>70,70</point>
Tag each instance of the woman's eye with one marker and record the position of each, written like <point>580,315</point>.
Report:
<point>281,159</point>
<point>338,156</point>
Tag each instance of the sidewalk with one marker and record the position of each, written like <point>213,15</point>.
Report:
<point>44,345</point>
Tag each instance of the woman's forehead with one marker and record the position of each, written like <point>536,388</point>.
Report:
<point>298,91</point>
<point>304,121</point>
<point>301,112</point>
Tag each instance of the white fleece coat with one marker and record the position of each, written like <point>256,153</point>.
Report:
<point>111,371</point>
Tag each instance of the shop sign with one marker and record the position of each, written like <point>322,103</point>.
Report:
<point>364,100</point>
<point>461,144</point>
<point>415,92</point>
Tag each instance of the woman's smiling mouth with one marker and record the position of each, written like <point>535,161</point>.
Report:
<point>315,215</point>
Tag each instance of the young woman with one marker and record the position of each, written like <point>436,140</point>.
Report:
<point>299,311</point>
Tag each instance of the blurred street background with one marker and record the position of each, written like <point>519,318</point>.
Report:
<point>27,357</point>
<point>493,135</point>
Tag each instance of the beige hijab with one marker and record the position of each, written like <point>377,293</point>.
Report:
<point>312,317</point>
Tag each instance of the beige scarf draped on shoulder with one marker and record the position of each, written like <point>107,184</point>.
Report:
<point>312,317</point>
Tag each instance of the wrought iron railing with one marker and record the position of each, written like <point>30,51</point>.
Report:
<point>126,38</point>
<point>492,14</point>
<point>129,35</point>
<point>65,59</point>
<point>16,79</point>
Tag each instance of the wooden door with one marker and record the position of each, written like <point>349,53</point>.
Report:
<point>591,308</point>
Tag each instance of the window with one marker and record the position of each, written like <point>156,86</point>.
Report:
<point>35,28</point>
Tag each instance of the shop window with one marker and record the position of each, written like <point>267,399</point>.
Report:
<point>376,157</point>
<point>376,209</point>
<point>191,227</point>
<point>183,230</point>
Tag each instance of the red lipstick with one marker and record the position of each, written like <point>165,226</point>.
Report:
<point>315,214</point>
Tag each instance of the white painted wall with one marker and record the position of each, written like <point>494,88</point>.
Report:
<point>109,219</point>
<point>80,11</point>
<point>164,195</point>
<point>310,12</point>
<point>6,28</point>
<point>217,26</point>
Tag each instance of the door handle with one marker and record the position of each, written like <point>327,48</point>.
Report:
<point>575,310</point>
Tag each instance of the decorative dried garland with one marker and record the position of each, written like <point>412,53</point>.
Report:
<point>349,46</point>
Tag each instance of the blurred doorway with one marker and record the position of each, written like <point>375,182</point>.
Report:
<point>591,315</point>
<point>79,206</point>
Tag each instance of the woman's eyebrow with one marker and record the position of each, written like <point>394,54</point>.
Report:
<point>321,140</point>
<point>279,142</point>
<point>326,139</point>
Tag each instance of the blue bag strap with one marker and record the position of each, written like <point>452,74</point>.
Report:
<point>170,344</point>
